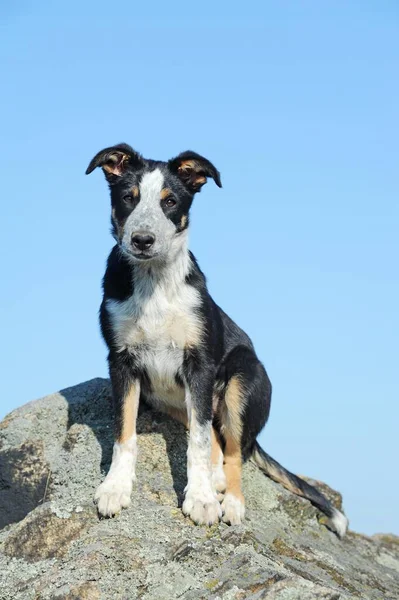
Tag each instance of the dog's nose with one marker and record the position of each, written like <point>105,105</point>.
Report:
<point>142,241</point>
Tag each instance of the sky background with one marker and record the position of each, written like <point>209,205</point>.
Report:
<point>296,103</point>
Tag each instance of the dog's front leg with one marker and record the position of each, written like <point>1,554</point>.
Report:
<point>201,502</point>
<point>114,493</point>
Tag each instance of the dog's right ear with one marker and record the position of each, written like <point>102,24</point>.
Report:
<point>115,161</point>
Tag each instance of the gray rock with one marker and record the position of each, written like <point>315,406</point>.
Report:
<point>55,451</point>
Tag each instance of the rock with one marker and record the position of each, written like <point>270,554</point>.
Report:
<point>55,451</point>
<point>24,477</point>
<point>85,591</point>
<point>43,534</point>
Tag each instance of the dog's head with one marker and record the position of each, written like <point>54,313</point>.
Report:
<point>150,199</point>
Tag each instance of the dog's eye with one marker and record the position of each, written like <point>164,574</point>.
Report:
<point>169,202</point>
<point>127,198</point>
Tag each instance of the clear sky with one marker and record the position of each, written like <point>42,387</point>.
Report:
<point>296,103</point>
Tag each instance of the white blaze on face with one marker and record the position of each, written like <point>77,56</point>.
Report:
<point>148,216</point>
<point>151,186</point>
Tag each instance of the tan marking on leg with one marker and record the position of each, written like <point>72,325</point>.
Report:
<point>233,467</point>
<point>218,475</point>
<point>114,492</point>
<point>233,505</point>
<point>129,412</point>
<point>231,409</point>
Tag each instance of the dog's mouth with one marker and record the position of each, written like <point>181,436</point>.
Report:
<point>137,256</point>
<point>141,256</point>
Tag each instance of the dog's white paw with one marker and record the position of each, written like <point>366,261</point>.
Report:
<point>233,509</point>
<point>113,495</point>
<point>203,509</point>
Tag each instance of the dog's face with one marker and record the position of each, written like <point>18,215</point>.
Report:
<point>151,200</point>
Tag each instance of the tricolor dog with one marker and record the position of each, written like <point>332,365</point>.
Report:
<point>172,346</point>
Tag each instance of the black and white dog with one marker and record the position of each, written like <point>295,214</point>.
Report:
<point>170,344</point>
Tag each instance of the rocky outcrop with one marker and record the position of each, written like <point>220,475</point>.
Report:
<point>53,454</point>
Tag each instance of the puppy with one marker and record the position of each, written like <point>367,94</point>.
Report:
<point>172,346</point>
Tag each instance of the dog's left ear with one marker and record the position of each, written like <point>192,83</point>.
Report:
<point>193,170</point>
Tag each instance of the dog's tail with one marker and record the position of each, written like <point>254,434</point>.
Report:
<point>337,521</point>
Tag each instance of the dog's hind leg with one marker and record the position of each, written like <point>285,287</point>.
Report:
<point>233,505</point>
<point>245,385</point>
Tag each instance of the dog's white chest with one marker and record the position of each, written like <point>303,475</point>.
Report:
<point>156,328</point>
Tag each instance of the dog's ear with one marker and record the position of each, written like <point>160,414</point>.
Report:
<point>115,161</point>
<point>193,170</point>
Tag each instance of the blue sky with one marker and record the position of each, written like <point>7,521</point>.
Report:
<point>297,105</point>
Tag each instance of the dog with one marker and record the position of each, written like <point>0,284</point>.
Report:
<point>171,345</point>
